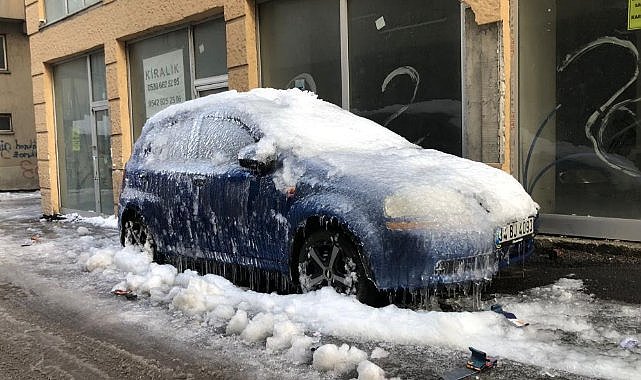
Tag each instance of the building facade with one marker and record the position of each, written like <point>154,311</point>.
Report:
<point>18,162</point>
<point>488,80</point>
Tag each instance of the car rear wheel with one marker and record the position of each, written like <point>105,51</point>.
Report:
<point>331,258</point>
<point>137,233</point>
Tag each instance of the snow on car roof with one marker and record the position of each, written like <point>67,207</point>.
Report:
<point>294,119</point>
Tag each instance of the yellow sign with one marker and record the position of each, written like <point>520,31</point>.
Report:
<point>634,14</point>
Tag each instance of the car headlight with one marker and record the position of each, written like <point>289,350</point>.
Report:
<point>427,206</point>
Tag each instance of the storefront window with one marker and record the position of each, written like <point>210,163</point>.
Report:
<point>83,135</point>
<point>210,49</point>
<point>300,46</point>
<point>159,69</point>
<point>73,121</point>
<point>98,77</point>
<point>210,57</point>
<point>580,107</point>
<point>404,61</point>
<point>160,73</point>
<point>405,68</point>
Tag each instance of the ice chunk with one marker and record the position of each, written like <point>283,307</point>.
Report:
<point>82,230</point>
<point>238,323</point>
<point>284,333</point>
<point>300,351</point>
<point>259,328</point>
<point>100,260</point>
<point>130,260</point>
<point>379,353</point>
<point>369,371</point>
<point>330,357</point>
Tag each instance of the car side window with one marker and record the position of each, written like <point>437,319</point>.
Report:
<point>222,138</point>
<point>172,140</point>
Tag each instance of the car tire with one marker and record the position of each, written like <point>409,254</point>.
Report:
<point>137,233</point>
<point>331,258</point>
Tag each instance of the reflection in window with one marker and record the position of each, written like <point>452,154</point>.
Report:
<point>308,58</point>
<point>57,9</point>
<point>98,77</point>
<point>210,57</point>
<point>73,122</point>
<point>160,72</point>
<point>579,111</point>
<point>222,139</point>
<point>3,53</point>
<point>405,68</point>
<point>159,69</point>
<point>5,123</point>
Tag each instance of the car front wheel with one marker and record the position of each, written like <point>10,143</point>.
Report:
<point>331,258</point>
<point>137,233</point>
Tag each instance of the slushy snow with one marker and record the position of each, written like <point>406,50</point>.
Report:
<point>286,323</point>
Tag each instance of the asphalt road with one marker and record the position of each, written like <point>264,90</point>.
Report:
<point>615,275</point>
<point>39,340</point>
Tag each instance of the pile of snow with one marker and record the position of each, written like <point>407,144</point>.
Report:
<point>291,119</point>
<point>292,324</point>
<point>98,221</point>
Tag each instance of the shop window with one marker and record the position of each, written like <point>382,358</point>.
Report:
<point>300,46</point>
<point>210,57</point>
<point>83,135</point>
<point>160,73</point>
<point>5,123</point>
<point>3,53</point>
<point>405,68</point>
<point>57,9</point>
<point>580,108</point>
<point>159,70</point>
<point>402,68</point>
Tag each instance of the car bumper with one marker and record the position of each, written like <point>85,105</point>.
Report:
<point>413,260</point>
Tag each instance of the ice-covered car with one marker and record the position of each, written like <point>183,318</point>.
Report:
<point>282,183</point>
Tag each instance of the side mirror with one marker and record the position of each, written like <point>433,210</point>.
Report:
<point>257,159</point>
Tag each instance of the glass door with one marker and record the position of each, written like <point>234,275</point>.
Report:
<point>103,184</point>
<point>84,135</point>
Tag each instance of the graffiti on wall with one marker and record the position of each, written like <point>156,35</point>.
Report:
<point>25,152</point>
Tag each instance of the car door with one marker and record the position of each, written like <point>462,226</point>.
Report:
<point>170,167</point>
<point>240,210</point>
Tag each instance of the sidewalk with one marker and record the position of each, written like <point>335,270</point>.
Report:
<point>573,250</point>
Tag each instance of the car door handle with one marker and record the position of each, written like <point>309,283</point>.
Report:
<point>199,181</point>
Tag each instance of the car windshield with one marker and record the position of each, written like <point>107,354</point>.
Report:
<point>295,120</point>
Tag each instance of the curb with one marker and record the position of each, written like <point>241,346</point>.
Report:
<point>587,250</point>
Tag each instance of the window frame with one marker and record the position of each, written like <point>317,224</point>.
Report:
<point>3,45</point>
<point>9,131</point>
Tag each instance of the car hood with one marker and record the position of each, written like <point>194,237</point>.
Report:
<point>429,185</point>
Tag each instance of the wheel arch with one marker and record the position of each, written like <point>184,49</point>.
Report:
<point>355,225</point>
<point>129,212</point>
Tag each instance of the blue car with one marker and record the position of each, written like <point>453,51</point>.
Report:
<point>280,183</point>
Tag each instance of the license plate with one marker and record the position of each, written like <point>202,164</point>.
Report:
<point>515,230</point>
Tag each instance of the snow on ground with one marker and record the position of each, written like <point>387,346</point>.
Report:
<point>569,330</point>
